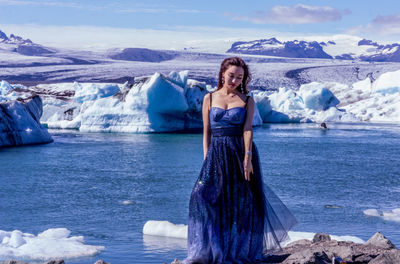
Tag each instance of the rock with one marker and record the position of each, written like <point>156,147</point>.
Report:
<point>380,240</point>
<point>100,261</point>
<point>321,237</point>
<point>301,242</point>
<point>308,256</point>
<point>388,257</point>
<point>57,261</point>
<point>176,261</point>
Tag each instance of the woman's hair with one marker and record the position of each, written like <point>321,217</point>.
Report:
<point>235,61</point>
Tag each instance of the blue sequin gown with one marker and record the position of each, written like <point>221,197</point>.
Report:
<point>232,220</point>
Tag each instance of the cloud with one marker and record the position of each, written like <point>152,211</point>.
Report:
<point>156,10</point>
<point>381,25</point>
<point>117,7</point>
<point>298,14</point>
<point>40,3</point>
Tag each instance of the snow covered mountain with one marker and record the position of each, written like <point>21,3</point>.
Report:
<point>22,46</point>
<point>273,47</point>
<point>340,47</point>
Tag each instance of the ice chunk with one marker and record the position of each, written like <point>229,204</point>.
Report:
<point>5,88</point>
<point>20,124</point>
<point>168,229</point>
<point>165,228</point>
<point>317,97</point>
<point>393,215</point>
<point>50,244</point>
<point>93,91</point>
<point>387,83</point>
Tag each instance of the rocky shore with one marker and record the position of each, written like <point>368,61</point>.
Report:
<point>323,250</point>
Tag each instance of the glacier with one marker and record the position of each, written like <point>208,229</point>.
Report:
<point>20,121</point>
<point>173,102</point>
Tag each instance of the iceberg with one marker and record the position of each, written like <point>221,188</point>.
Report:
<point>53,243</point>
<point>313,102</point>
<point>173,102</point>
<point>156,103</point>
<point>20,123</point>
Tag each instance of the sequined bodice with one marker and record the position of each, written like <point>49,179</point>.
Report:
<point>231,117</point>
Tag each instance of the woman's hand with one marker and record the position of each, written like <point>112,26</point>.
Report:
<point>248,167</point>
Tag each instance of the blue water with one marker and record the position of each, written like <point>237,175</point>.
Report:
<point>80,181</point>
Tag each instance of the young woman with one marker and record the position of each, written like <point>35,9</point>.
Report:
<point>233,216</point>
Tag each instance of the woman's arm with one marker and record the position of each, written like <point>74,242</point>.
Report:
<point>206,124</point>
<point>248,139</point>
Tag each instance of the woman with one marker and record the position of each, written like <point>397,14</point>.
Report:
<point>233,217</point>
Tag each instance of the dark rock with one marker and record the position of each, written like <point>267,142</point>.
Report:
<point>12,262</point>
<point>100,261</point>
<point>33,50</point>
<point>57,261</point>
<point>139,54</point>
<point>379,240</point>
<point>321,237</point>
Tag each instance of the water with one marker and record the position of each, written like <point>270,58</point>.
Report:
<point>106,186</point>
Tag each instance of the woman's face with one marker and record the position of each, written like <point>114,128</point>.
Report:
<point>233,77</point>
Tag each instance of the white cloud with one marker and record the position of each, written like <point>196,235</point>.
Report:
<point>117,7</point>
<point>381,26</point>
<point>40,3</point>
<point>298,14</point>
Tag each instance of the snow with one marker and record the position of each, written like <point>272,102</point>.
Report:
<point>168,229</point>
<point>53,243</point>
<point>393,215</point>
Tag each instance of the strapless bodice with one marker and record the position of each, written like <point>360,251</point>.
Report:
<point>232,117</point>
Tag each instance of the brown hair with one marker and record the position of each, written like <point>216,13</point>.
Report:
<point>235,61</point>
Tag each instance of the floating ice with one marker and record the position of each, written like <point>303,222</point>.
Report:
<point>168,229</point>
<point>19,123</point>
<point>314,102</point>
<point>393,215</point>
<point>317,97</point>
<point>50,244</point>
<point>165,229</point>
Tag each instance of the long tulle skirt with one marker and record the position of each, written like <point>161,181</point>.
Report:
<point>232,220</point>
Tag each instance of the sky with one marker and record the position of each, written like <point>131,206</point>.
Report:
<point>204,25</point>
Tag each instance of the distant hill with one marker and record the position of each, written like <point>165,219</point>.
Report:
<point>344,48</point>
<point>22,46</point>
<point>139,54</point>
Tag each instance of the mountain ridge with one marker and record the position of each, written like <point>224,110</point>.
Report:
<point>362,50</point>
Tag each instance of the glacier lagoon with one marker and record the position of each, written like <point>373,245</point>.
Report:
<point>106,186</point>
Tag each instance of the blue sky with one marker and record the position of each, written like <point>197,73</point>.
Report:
<point>170,23</point>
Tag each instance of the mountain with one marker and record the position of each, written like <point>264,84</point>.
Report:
<point>22,46</point>
<point>140,54</point>
<point>273,47</point>
<point>343,48</point>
